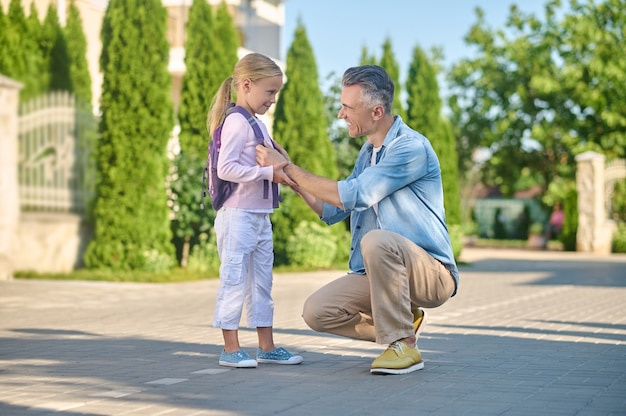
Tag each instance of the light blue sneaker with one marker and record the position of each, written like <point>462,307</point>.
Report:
<point>239,359</point>
<point>277,356</point>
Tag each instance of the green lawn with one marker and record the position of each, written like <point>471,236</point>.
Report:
<point>183,275</point>
<point>176,275</point>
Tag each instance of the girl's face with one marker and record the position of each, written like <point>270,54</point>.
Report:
<point>258,96</point>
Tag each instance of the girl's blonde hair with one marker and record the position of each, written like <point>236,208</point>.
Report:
<point>253,66</point>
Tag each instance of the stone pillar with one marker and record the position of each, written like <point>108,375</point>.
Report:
<point>595,230</point>
<point>9,195</point>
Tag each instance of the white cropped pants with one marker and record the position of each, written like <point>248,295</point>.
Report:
<point>246,251</point>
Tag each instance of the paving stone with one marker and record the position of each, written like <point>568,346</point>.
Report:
<point>530,332</point>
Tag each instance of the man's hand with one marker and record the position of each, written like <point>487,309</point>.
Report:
<point>281,177</point>
<point>317,188</point>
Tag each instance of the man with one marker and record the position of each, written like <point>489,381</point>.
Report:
<point>401,258</point>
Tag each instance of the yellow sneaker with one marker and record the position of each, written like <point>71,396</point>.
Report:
<point>419,320</point>
<point>398,358</point>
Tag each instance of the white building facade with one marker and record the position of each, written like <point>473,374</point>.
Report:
<point>260,24</point>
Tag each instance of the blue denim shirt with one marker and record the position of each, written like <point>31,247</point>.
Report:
<point>406,185</point>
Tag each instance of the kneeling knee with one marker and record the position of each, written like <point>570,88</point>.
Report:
<point>311,314</point>
<point>372,241</point>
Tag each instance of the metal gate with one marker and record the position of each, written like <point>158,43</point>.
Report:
<point>56,139</point>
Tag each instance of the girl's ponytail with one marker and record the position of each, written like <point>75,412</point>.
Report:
<point>222,98</point>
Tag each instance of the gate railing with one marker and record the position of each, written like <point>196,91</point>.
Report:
<point>56,138</point>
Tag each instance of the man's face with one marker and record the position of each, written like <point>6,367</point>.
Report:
<point>355,112</point>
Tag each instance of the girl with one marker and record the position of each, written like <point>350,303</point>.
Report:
<point>242,225</point>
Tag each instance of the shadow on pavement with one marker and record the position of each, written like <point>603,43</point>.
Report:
<point>579,272</point>
<point>506,369</point>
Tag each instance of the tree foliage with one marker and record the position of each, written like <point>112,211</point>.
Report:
<point>300,126</point>
<point>228,42</point>
<point>4,43</point>
<point>210,56</point>
<point>80,79</point>
<point>54,48</point>
<point>367,58</point>
<point>199,84</point>
<point>423,100</point>
<point>200,81</point>
<point>424,113</point>
<point>36,53</point>
<point>15,48</point>
<point>390,64</point>
<point>37,75</point>
<point>538,92</point>
<point>132,226</point>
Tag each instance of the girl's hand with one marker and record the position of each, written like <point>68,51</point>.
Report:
<point>266,156</point>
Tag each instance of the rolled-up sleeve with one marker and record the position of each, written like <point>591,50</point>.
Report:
<point>348,191</point>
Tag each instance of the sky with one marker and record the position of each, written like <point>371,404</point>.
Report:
<point>338,29</point>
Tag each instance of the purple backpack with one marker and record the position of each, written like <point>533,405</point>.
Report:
<point>221,190</point>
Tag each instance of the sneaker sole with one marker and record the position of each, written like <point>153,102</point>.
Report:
<point>241,364</point>
<point>291,361</point>
<point>407,370</point>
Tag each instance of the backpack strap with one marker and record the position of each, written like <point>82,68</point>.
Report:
<point>215,142</point>
<point>261,140</point>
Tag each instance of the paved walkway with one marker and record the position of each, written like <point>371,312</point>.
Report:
<point>530,333</point>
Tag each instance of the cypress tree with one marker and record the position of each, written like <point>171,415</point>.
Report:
<point>132,225</point>
<point>423,101</point>
<point>444,145</point>
<point>37,72</point>
<point>424,114</point>
<point>200,81</point>
<point>227,45</point>
<point>77,53</point>
<point>389,63</point>
<point>4,42</point>
<point>210,56</point>
<point>198,86</point>
<point>300,126</point>
<point>15,65</point>
<point>366,57</point>
<point>55,52</point>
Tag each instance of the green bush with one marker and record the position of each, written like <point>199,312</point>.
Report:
<point>618,209</point>
<point>343,240</point>
<point>203,257</point>
<point>311,245</point>
<point>536,228</point>
<point>456,238</point>
<point>619,239</point>
<point>158,262</point>
<point>570,221</point>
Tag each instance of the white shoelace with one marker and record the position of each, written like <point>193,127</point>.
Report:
<point>397,347</point>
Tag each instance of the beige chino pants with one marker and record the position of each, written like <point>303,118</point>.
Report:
<point>378,306</point>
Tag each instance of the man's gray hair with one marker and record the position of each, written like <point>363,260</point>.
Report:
<point>377,87</point>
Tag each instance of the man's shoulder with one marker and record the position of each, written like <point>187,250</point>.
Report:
<point>400,129</point>
<point>406,136</point>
